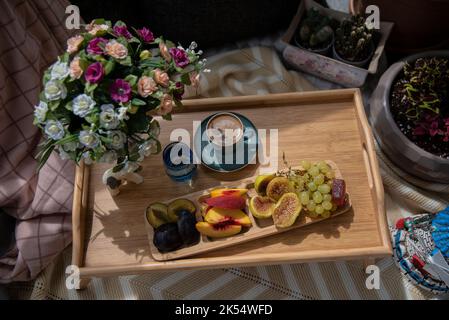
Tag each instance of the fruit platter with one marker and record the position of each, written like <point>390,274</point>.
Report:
<point>253,208</point>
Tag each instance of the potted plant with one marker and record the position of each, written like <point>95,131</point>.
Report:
<point>101,97</point>
<point>410,115</point>
<point>316,32</point>
<point>354,42</point>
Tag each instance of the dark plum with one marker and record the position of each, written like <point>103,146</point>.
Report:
<point>167,238</point>
<point>186,227</point>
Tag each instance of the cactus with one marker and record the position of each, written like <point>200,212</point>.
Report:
<point>315,31</point>
<point>354,41</point>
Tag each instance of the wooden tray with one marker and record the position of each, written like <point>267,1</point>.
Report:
<point>109,236</point>
<point>261,228</point>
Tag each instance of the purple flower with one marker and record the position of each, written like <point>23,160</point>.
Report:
<point>122,31</point>
<point>180,57</point>
<point>94,72</point>
<point>146,35</point>
<point>120,91</point>
<point>96,45</point>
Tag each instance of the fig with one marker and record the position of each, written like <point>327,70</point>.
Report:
<point>177,206</point>
<point>261,183</point>
<point>277,187</point>
<point>167,238</point>
<point>286,211</point>
<point>157,214</point>
<point>228,216</point>
<point>227,192</point>
<point>220,230</point>
<point>186,227</point>
<point>227,202</point>
<point>261,207</point>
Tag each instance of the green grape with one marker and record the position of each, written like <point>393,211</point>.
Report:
<point>305,164</point>
<point>330,174</point>
<point>314,171</point>
<point>317,197</point>
<point>311,206</point>
<point>324,188</point>
<point>306,177</point>
<point>304,196</point>
<point>326,214</point>
<point>327,205</point>
<point>313,214</point>
<point>319,209</point>
<point>311,186</point>
<point>327,197</point>
<point>319,179</point>
<point>321,165</point>
<point>324,168</point>
<point>334,207</point>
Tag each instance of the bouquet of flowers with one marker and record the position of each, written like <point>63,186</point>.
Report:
<point>100,97</point>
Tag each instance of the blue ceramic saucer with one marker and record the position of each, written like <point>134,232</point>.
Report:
<point>204,150</point>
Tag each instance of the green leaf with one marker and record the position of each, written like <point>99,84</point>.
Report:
<point>90,87</point>
<point>185,79</point>
<point>131,79</point>
<point>44,157</point>
<point>125,62</point>
<point>109,66</point>
<point>118,167</point>
<point>167,117</point>
<point>138,102</point>
<point>138,122</point>
<point>169,44</point>
<point>54,105</point>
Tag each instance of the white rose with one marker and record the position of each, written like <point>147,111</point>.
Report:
<point>89,139</point>
<point>83,105</point>
<point>40,111</point>
<point>55,90</point>
<point>54,129</point>
<point>118,139</point>
<point>108,118</point>
<point>59,71</point>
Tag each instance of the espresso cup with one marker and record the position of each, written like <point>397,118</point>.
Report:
<point>224,130</point>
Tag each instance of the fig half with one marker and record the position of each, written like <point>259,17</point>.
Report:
<point>277,187</point>
<point>261,207</point>
<point>287,210</point>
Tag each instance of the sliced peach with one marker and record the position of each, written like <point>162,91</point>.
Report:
<point>218,230</point>
<point>229,216</point>
<point>227,202</point>
<point>227,192</point>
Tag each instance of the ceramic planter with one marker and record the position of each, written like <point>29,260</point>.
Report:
<point>325,51</point>
<point>361,64</point>
<point>398,148</point>
<point>328,68</point>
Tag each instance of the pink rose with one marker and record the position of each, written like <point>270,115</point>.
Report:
<point>194,79</point>
<point>95,29</point>
<point>164,51</point>
<point>166,105</point>
<point>180,57</point>
<point>75,68</point>
<point>94,72</point>
<point>161,77</point>
<point>74,43</point>
<point>146,86</point>
<point>96,45</point>
<point>116,50</point>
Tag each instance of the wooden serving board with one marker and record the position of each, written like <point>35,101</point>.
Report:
<point>260,227</point>
<point>110,238</point>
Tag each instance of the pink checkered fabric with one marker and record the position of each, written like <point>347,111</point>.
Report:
<point>32,34</point>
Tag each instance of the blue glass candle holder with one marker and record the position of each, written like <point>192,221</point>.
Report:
<point>178,162</point>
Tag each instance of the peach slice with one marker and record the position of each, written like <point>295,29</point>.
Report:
<point>220,230</point>
<point>227,192</point>
<point>227,216</point>
<point>227,202</point>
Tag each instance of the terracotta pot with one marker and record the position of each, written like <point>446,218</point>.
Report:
<point>398,148</point>
<point>419,25</point>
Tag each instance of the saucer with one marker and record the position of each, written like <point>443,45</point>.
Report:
<point>204,150</point>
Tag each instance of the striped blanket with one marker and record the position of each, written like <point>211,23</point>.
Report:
<point>258,70</point>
